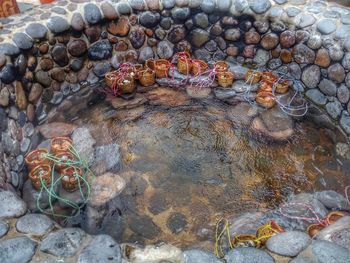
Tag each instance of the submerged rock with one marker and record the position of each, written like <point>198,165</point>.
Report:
<point>199,256</point>
<point>83,143</point>
<point>166,97</point>
<point>274,124</point>
<point>151,253</point>
<point>55,129</point>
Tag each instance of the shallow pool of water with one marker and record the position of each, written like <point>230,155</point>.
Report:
<point>188,166</point>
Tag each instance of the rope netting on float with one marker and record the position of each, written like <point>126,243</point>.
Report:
<point>305,213</point>
<point>61,167</point>
<point>274,87</point>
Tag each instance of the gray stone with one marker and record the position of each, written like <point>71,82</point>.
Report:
<point>345,19</point>
<point>143,226</point>
<point>25,144</point>
<point>248,255</point>
<point>100,50</point>
<point>317,97</point>
<point>165,49</point>
<point>4,228</point>
<point>11,205</point>
<point>138,5</point>
<point>275,63</point>
<point>36,30</point>
<point>326,26</point>
<point>145,53</point>
<point>224,5</point>
<point>232,34</point>
<point>149,19</point>
<point>100,69</point>
<point>180,14</point>
<point>166,23</point>
<point>240,5</point>
<point>332,200</point>
<point>293,11</point>
<point>58,10</point>
<point>336,52</point>
<point>101,249</point>
<point>208,6</point>
<point>34,224</point>
<point>345,122</point>
<point>327,252</point>
<point>303,54</point>
<point>346,61</point>
<point>315,41</point>
<point>334,109</point>
<point>92,13</point>
<point>58,24</point>
<point>295,70</point>
<point>108,154</point>
<point>342,32</point>
<point>9,49</point>
<point>343,94</point>
<point>77,22</point>
<point>328,87</point>
<point>199,37</point>
<point>223,94</point>
<point>276,11</point>
<point>261,57</point>
<point>311,76</point>
<point>280,2</point>
<point>306,20</point>
<point>8,74</point>
<point>124,8</point>
<point>199,256</point>
<point>201,20</point>
<point>22,40</point>
<point>17,250</point>
<point>57,98</point>
<point>259,7</point>
<point>63,243</point>
<point>336,72</point>
<point>289,243</point>
<point>176,222</point>
<point>83,142</point>
<point>167,4</point>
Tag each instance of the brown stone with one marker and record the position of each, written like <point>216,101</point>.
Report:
<point>56,86</point>
<point>35,93</point>
<point>121,28</point>
<point>287,38</point>
<point>71,77</point>
<point>149,32</point>
<point>119,103</point>
<point>58,74</point>
<point>83,74</point>
<point>30,112</point>
<point>55,129</point>
<point>46,64</point>
<point>44,48</point>
<point>112,39</point>
<point>302,36</point>
<point>252,37</point>
<point>121,46</point>
<point>4,97</point>
<point>77,47</point>
<point>133,19</point>
<point>167,97</point>
<point>322,58</point>
<point>216,30</point>
<point>177,34</point>
<point>21,99</point>
<point>232,51</point>
<point>109,11</point>
<point>276,52</point>
<point>29,76</point>
<point>249,51</point>
<point>93,33</point>
<point>63,39</point>
<point>286,56</point>
<point>153,4</point>
<point>269,41</point>
<point>229,21</point>
<point>337,73</point>
<point>31,63</point>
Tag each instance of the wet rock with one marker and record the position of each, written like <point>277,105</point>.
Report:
<point>208,6</point>
<point>83,143</point>
<point>311,76</point>
<point>23,41</point>
<point>274,124</point>
<point>34,224</point>
<point>326,26</point>
<point>11,205</point>
<point>201,20</point>
<point>123,8</point>
<point>177,34</point>
<point>107,157</point>
<point>176,222</point>
<point>100,50</point>
<point>199,37</point>
<point>252,37</point>
<point>166,23</point>
<point>165,49</point>
<point>59,55</point>
<point>92,13</point>
<point>17,249</point>
<point>248,254</point>
<point>143,226</point>
<point>332,200</point>
<point>46,64</point>
<point>316,96</point>
<point>9,49</point>
<point>102,248</point>
<point>4,228</point>
<point>57,74</point>
<point>56,129</point>
<point>108,11</point>
<point>77,22</point>
<point>121,28</point>
<point>149,19</point>
<point>105,188</point>
<point>198,256</point>
<point>21,99</point>
<point>288,244</point>
<point>334,109</point>
<point>77,47</point>
<point>8,74</point>
<point>64,242</point>
<point>158,203</point>
<point>100,69</point>
<point>232,34</point>
<point>145,53</point>
<point>138,5</point>
<point>328,87</point>
<point>36,30</point>
<point>197,93</point>
<point>269,41</point>
<point>137,37</point>
<point>336,72</point>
